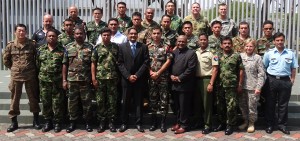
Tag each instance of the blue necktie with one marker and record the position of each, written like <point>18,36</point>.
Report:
<point>133,48</point>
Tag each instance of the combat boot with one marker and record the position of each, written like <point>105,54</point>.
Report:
<point>71,127</point>
<point>57,127</point>
<point>36,122</point>
<point>48,126</point>
<point>14,125</point>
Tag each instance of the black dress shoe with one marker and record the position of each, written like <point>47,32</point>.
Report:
<point>163,128</point>
<point>88,128</point>
<point>220,128</point>
<point>112,127</point>
<point>123,128</point>
<point>36,125</point>
<point>228,130</point>
<point>152,128</point>
<point>71,128</point>
<point>12,127</point>
<point>47,127</point>
<point>206,131</point>
<point>140,128</point>
<point>101,128</point>
<point>57,127</point>
<point>269,130</point>
<point>284,130</point>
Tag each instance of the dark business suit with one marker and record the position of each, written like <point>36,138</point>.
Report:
<point>184,65</point>
<point>133,65</point>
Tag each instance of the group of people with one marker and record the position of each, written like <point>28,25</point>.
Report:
<point>128,60</point>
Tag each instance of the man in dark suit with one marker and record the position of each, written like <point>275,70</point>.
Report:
<point>133,63</point>
<point>182,77</point>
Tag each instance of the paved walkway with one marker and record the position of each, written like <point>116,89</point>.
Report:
<point>26,132</point>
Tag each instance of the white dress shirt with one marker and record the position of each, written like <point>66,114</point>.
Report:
<point>118,38</point>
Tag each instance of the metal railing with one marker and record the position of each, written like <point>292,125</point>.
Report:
<point>284,13</point>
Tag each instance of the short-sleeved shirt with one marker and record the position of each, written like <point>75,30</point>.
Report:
<point>229,27</point>
<point>200,25</point>
<point>124,23</point>
<point>280,64</point>
<point>239,44</point>
<point>263,45</point>
<point>65,39</point>
<point>230,65</point>
<point>206,60</point>
<point>192,42</point>
<point>105,56</point>
<point>49,63</point>
<point>93,30</point>
<point>79,58</point>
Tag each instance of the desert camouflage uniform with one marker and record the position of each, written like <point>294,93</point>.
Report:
<point>149,26</point>
<point>229,27</point>
<point>200,25</point>
<point>50,65</point>
<point>239,44</point>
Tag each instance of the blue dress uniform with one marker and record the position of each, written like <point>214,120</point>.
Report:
<point>279,67</point>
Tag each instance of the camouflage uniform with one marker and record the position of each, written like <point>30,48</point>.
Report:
<point>50,65</point>
<point>124,23</point>
<point>239,44</point>
<point>107,75</point>
<point>93,31</point>
<point>78,60</point>
<point>77,22</point>
<point>253,80</point>
<point>228,27</point>
<point>144,35</point>
<point>149,26</point>
<point>176,23</point>
<point>200,25</point>
<point>20,59</point>
<point>214,43</point>
<point>159,94</point>
<point>229,67</point>
<point>64,39</point>
<point>263,44</point>
<point>192,42</point>
<point>170,37</point>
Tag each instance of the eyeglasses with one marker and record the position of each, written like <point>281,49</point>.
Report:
<point>268,28</point>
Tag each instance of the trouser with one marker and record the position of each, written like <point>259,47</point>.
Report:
<point>52,96</point>
<point>203,102</point>
<point>16,90</point>
<point>79,91</point>
<point>159,97</point>
<point>106,98</point>
<point>280,90</point>
<point>182,101</point>
<point>227,105</point>
<point>248,105</point>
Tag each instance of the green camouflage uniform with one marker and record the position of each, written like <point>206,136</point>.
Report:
<point>214,43</point>
<point>77,22</point>
<point>263,44</point>
<point>93,31</point>
<point>107,75</point>
<point>144,35</point>
<point>229,67</point>
<point>200,25</point>
<point>50,65</point>
<point>159,94</point>
<point>170,37</point>
<point>192,42</point>
<point>175,23</point>
<point>64,39</point>
<point>78,60</point>
<point>124,23</point>
<point>239,44</point>
<point>229,27</point>
<point>149,26</point>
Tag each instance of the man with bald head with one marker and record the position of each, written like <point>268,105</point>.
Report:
<point>148,22</point>
<point>40,34</point>
<point>73,15</point>
<point>182,78</point>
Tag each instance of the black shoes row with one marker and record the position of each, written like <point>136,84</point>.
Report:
<point>270,130</point>
<point>228,129</point>
<point>14,124</point>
